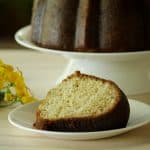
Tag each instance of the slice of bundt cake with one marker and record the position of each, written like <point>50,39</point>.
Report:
<point>89,25</point>
<point>83,103</point>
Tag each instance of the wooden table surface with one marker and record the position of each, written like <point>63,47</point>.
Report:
<point>46,70</point>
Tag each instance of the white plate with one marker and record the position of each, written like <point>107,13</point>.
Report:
<point>23,117</point>
<point>23,37</point>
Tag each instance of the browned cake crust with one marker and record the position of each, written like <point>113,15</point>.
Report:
<point>91,25</point>
<point>115,118</point>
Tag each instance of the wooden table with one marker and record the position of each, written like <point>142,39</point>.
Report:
<point>40,72</point>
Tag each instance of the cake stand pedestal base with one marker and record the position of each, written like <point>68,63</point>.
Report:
<point>130,70</point>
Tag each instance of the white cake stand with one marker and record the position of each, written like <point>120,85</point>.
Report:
<point>130,70</point>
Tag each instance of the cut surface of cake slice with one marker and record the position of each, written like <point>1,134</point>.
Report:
<point>83,103</point>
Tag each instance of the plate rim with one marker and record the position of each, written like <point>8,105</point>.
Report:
<point>19,35</point>
<point>75,134</point>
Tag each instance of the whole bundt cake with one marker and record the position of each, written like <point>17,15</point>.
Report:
<point>91,25</point>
